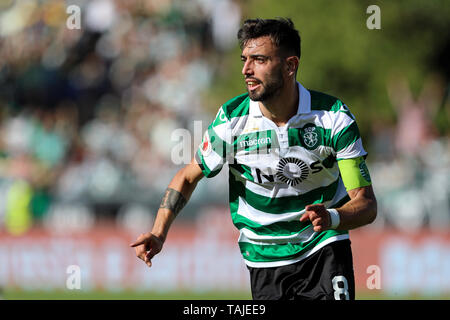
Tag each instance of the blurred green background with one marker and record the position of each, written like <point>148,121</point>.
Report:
<point>344,58</point>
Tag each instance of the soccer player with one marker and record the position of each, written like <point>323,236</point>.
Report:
<point>297,176</point>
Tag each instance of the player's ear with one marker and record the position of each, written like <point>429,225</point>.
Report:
<point>292,64</point>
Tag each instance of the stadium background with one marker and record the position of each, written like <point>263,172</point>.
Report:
<point>86,124</point>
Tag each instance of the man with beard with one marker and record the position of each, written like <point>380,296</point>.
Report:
<point>297,176</point>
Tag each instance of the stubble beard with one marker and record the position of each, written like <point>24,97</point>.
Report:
<point>270,88</point>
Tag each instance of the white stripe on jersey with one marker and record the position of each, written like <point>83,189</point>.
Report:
<point>253,238</point>
<point>353,150</point>
<point>265,218</point>
<point>213,161</point>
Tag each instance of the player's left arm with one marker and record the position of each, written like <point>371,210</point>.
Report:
<point>362,207</point>
<point>359,211</point>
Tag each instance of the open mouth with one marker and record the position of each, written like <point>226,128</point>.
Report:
<point>252,85</point>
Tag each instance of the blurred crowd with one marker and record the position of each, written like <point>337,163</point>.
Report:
<point>410,158</point>
<point>87,116</point>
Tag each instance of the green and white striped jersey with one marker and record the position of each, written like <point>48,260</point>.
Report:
<point>274,172</point>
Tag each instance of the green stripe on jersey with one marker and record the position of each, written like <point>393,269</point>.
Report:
<point>282,204</point>
<point>237,107</point>
<point>244,170</point>
<point>282,228</point>
<point>323,101</point>
<point>287,251</point>
<point>206,171</point>
<point>346,137</point>
<point>218,145</point>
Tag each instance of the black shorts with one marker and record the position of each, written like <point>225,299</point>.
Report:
<point>325,275</point>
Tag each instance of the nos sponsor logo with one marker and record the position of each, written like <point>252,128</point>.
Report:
<point>290,170</point>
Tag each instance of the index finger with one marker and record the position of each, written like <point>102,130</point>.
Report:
<point>313,207</point>
<point>137,243</point>
<point>304,217</point>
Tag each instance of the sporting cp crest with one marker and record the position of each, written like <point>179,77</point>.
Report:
<point>310,136</point>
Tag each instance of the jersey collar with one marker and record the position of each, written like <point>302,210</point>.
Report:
<point>304,103</point>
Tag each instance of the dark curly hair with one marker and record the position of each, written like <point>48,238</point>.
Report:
<point>280,30</point>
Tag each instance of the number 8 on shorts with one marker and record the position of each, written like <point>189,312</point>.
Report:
<point>340,286</point>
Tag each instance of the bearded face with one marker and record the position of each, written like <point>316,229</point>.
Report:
<point>262,69</point>
<point>268,88</point>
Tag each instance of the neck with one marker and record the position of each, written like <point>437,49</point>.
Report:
<point>283,106</point>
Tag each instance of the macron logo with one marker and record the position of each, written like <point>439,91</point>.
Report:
<point>255,142</point>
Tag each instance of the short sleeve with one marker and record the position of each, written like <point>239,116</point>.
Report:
<point>346,140</point>
<point>212,151</point>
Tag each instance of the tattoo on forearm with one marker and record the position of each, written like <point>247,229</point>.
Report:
<point>173,200</point>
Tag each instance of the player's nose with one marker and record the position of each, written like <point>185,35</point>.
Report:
<point>247,69</point>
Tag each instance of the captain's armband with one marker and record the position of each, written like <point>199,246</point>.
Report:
<point>354,173</point>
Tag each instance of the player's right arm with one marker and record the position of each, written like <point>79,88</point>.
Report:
<point>208,162</point>
<point>147,245</point>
